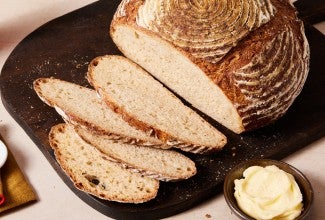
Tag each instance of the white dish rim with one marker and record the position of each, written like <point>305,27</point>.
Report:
<point>3,153</point>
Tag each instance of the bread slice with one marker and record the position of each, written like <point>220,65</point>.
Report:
<point>186,47</point>
<point>165,165</point>
<point>146,104</point>
<point>91,172</point>
<point>81,105</point>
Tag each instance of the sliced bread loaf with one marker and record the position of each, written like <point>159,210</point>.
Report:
<point>81,105</point>
<point>91,172</point>
<point>165,165</point>
<point>146,104</point>
<point>243,63</point>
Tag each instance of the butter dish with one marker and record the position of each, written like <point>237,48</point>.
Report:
<point>237,173</point>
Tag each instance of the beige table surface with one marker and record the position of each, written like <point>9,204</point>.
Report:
<point>55,200</point>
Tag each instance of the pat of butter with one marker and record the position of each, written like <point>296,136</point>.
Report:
<point>268,193</point>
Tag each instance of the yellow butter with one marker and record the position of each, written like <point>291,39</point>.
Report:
<point>268,193</point>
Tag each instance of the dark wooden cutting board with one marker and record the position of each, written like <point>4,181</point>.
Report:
<point>63,48</point>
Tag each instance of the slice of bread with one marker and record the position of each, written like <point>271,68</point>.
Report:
<point>80,105</point>
<point>146,104</point>
<point>91,172</point>
<point>165,165</point>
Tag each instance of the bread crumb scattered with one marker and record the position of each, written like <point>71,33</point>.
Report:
<point>208,216</point>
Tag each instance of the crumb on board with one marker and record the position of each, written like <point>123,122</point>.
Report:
<point>208,216</point>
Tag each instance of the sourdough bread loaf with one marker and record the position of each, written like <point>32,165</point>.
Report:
<point>148,105</point>
<point>243,63</point>
<point>91,172</point>
<point>165,165</point>
<point>81,106</point>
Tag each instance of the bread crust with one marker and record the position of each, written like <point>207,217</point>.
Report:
<point>254,46</point>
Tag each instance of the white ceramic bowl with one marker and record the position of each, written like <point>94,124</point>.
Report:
<point>3,153</point>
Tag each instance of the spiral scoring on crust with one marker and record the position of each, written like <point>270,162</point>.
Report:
<point>271,82</point>
<point>208,29</point>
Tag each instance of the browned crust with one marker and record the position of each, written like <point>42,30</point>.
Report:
<point>147,128</point>
<point>93,191</point>
<point>254,44</point>
<point>221,73</point>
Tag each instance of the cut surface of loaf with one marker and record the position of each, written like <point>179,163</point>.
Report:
<point>146,104</point>
<point>165,165</point>
<point>81,105</point>
<point>91,172</point>
<point>245,87</point>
